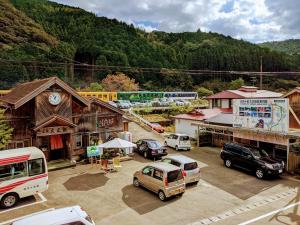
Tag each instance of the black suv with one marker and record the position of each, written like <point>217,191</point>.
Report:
<point>251,159</point>
<point>150,148</point>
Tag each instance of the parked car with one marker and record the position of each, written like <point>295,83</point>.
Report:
<point>68,215</point>
<point>157,127</point>
<point>251,159</point>
<point>164,179</point>
<point>179,103</point>
<point>113,104</point>
<point>187,164</point>
<point>150,148</point>
<point>155,103</point>
<point>178,141</point>
<point>121,104</point>
<point>163,102</point>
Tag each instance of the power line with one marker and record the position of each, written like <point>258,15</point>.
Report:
<point>91,67</point>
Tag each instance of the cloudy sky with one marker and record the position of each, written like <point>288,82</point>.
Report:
<point>252,20</point>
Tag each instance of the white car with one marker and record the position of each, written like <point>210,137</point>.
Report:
<point>68,215</point>
<point>178,141</point>
<point>188,165</point>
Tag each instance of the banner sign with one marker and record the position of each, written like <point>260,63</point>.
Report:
<point>93,151</point>
<point>266,114</point>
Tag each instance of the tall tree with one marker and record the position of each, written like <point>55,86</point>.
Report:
<point>119,82</point>
<point>5,130</point>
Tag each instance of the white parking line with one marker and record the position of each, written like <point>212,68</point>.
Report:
<point>13,220</point>
<point>43,199</point>
<point>269,214</point>
<point>244,208</point>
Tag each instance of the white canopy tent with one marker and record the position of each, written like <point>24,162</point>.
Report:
<point>118,143</point>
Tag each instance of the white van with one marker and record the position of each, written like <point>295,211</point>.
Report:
<point>69,215</point>
<point>23,172</point>
<point>178,141</point>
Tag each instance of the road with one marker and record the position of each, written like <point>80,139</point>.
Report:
<point>223,196</point>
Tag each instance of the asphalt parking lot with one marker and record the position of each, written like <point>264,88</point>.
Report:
<point>223,196</point>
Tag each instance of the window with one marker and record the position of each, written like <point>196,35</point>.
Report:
<point>78,141</point>
<point>175,163</point>
<point>158,174</point>
<point>184,138</point>
<point>235,150</point>
<point>148,171</point>
<point>13,171</point>
<point>74,223</point>
<point>190,166</point>
<point>174,175</point>
<point>36,167</point>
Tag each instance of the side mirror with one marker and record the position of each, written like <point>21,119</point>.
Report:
<point>249,157</point>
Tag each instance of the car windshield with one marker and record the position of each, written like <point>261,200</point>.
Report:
<point>154,144</point>
<point>184,138</point>
<point>190,166</point>
<point>259,153</point>
<point>174,175</point>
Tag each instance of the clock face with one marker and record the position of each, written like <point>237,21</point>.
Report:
<point>54,98</point>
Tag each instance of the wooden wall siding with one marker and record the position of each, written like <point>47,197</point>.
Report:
<point>44,109</point>
<point>294,161</point>
<point>294,101</point>
<point>88,122</point>
<point>21,128</point>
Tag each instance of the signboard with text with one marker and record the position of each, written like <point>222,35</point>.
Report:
<point>93,151</point>
<point>265,114</point>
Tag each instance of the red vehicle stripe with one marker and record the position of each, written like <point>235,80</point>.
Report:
<point>13,185</point>
<point>16,159</point>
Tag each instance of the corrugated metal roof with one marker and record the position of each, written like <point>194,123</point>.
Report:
<point>221,118</point>
<point>199,114</point>
<point>237,94</point>
<point>257,94</point>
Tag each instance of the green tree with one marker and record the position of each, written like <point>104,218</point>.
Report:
<point>5,130</point>
<point>95,87</point>
<point>236,84</point>
<point>203,92</point>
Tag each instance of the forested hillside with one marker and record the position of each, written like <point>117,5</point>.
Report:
<point>291,46</point>
<point>59,37</point>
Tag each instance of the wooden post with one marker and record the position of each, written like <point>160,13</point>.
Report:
<point>287,154</point>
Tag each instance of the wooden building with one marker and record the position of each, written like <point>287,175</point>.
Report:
<point>52,116</point>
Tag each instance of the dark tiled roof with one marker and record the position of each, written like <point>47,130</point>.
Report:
<point>22,90</point>
<point>26,91</point>
<point>105,104</point>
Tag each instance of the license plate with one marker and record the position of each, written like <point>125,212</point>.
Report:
<point>280,171</point>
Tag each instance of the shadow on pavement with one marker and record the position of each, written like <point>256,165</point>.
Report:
<point>86,182</point>
<point>291,217</point>
<point>141,200</point>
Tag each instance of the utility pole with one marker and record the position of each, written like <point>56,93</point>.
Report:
<point>261,76</point>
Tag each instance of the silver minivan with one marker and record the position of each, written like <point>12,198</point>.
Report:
<point>163,179</point>
<point>187,164</point>
<point>178,141</point>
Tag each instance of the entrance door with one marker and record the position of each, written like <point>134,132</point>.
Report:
<point>58,147</point>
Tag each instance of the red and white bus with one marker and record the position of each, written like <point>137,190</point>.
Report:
<point>23,172</point>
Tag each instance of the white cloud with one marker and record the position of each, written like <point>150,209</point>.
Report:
<point>253,20</point>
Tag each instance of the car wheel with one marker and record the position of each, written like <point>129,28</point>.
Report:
<point>9,200</point>
<point>176,148</point>
<point>136,182</point>
<point>145,154</point>
<point>228,163</point>
<point>180,195</point>
<point>161,196</point>
<point>259,173</point>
